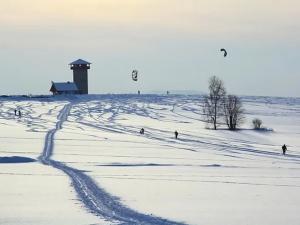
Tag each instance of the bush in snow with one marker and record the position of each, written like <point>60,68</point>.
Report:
<point>257,123</point>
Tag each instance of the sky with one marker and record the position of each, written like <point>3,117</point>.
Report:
<point>174,44</point>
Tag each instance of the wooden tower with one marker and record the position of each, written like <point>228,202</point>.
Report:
<point>80,75</point>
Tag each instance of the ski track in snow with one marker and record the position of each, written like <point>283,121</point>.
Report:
<point>108,112</point>
<point>103,116</point>
<point>96,199</point>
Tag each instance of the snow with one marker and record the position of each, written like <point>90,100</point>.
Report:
<point>91,165</point>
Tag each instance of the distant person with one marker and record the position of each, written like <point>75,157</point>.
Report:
<point>142,131</point>
<point>139,92</point>
<point>284,148</point>
<point>19,113</point>
<point>176,134</point>
<point>15,112</point>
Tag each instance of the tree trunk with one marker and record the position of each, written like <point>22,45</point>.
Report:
<point>230,123</point>
<point>215,119</point>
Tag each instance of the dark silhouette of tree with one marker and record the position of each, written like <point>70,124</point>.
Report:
<point>257,123</point>
<point>214,101</point>
<point>233,111</point>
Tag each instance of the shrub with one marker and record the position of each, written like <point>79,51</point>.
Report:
<point>257,123</point>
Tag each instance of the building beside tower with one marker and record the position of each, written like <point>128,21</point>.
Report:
<point>64,88</point>
<point>80,80</point>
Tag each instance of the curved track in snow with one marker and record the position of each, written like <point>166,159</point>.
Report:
<point>96,199</point>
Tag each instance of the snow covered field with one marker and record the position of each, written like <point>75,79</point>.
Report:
<point>81,160</point>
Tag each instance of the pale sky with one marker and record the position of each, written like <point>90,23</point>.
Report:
<point>175,44</point>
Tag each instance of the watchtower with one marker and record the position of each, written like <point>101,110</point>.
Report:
<point>80,75</point>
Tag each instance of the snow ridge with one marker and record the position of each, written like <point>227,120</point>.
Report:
<point>96,199</point>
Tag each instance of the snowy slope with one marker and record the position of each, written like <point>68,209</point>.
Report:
<point>92,164</point>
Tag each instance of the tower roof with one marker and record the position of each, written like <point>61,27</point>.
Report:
<point>80,62</point>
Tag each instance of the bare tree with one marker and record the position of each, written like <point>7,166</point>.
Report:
<point>213,102</point>
<point>233,111</point>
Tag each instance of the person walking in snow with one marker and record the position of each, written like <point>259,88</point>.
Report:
<point>142,131</point>
<point>20,114</point>
<point>176,134</point>
<point>284,148</point>
<point>15,112</point>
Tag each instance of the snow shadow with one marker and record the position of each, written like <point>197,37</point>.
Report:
<point>16,159</point>
<point>135,164</point>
